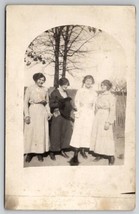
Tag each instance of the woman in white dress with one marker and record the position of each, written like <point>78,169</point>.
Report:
<point>84,101</point>
<point>102,143</point>
<point>37,114</point>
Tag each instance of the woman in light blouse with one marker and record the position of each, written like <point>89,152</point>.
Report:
<point>37,114</point>
<point>102,143</point>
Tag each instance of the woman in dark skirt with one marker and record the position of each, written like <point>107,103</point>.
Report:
<point>61,123</point>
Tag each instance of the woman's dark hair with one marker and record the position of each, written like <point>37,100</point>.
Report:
<point>107,83</point>
<point>88,77</point>
<point>63,81</point>
<point>38,76</point>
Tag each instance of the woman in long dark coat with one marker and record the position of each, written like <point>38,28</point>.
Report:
<point>61,123</point>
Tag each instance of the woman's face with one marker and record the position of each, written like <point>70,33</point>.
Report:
<point>40,81</point>
<point>88,83</point>
<point>103,87</point>
<point>64,87</point>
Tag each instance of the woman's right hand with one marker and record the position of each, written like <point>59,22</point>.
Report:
<point>56,112</point>
<point>49,116</point>
<point>27,120</point>
<point>77,114</point>
<point>106,126</point>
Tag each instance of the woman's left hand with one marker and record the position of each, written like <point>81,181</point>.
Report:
<point>106,126</point>
<point>49,116</point>
<point>43,102</point>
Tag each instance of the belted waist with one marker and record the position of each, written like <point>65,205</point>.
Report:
<point>103,109</point>
<point>87,106</point>
<point>41,103</point>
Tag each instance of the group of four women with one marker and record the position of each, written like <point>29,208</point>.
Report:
<point>91,129</point>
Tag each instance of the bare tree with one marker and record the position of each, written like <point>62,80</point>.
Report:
<point>57,38</point>
<point>62,46</point>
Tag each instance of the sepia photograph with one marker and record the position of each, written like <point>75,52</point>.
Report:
<point>74,113</point>
<point>70,107</point>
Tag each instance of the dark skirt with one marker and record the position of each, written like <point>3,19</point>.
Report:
<point>60,133</point>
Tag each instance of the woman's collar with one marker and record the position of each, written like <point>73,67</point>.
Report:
<point>88,88</point>
<point>60,89</point>
<point>106,92</point>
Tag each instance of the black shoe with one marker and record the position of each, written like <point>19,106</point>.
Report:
<point>29,158</point>
<point>74,161</point>
<point>97,158</point>
<point>52,156</point>
<point>64,154</point>
<point>45,154</point>
<point>83,154</point>
<point>40,158</point>
<point>111,160</point>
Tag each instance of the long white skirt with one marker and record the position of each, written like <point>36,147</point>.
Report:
<point>36,136</point>
<point>102,141</point>
<point>81,136</point>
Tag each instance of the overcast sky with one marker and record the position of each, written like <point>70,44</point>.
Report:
<point>106,60</point>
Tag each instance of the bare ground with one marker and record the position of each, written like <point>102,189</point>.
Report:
<point>61,161</point>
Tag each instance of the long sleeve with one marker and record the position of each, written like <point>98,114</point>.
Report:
<point>26,103</point>
<point>54,102</point>
<point>112,110</point>
<point>77,100</point>
<point>95,103</point>
<point>77,104</point>
<point>47,105</point>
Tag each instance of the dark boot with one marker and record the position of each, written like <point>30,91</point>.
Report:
<point>74,160</point>
<point>97,158</point>
<point>83,153</point>
<point>111,160</point>
<point>40,157</point>
<point>63,153</point>
<point>29,157</point>
<point>52,156</point>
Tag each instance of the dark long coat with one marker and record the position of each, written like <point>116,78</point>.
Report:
<point>61,125</point>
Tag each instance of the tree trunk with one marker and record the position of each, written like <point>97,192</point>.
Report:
<point>57,36</point>
<point>66,40</point>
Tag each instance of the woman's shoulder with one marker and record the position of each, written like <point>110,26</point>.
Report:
<point>55,92</point>
<point>111,97</point>
<point>80,90</point>
<point>30,88</point>
<point>94,92</point>
<point>45,88</point>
